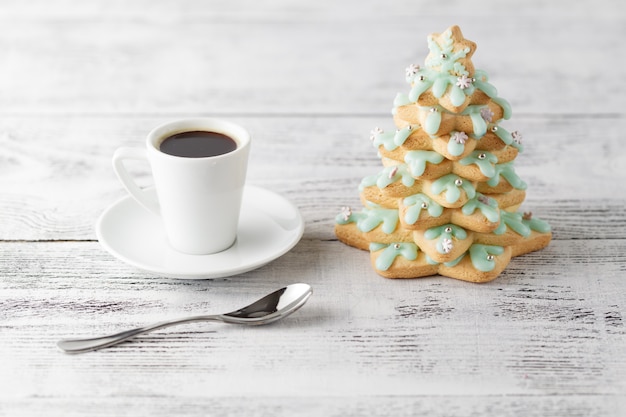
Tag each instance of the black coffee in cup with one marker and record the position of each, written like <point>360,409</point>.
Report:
<point>197,144</point>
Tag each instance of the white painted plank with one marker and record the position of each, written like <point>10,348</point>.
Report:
<point>436,406</point>
<point>574,174</point>
<point>321,57</point>
<point>549,329</point>
<point>78,79</point>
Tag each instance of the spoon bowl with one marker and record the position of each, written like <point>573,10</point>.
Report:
<point>275,306</point>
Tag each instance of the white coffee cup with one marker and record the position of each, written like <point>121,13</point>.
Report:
<point>199,198</point>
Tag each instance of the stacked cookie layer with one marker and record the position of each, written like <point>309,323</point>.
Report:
<point>446,199</point>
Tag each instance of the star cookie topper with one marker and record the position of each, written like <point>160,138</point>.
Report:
<point>451,52</point>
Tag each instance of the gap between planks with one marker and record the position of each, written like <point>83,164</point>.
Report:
<point>334,115</point>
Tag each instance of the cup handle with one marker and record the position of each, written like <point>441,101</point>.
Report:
<point>139,194</point>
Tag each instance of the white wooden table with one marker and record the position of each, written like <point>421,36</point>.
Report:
<point>309,79</point>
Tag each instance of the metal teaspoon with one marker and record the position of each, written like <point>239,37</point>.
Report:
<point>268,309</point>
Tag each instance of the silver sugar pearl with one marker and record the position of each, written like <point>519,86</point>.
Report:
<point>494,129</point>
<point>458,182</point>
<point>448,229</point>
<point>424,205</point>
<point>421,78</point>
<point>444,56</point>
<point>433,109</point>
<point>396,246</point>
<point>490,257</point>
<point>482,156</point>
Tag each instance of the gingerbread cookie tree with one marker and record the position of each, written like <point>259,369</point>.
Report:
<point>446,199</point>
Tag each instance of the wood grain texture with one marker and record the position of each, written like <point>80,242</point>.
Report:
<point>314,57</point>
<point>48,193</point>
<point>310,80</point>
<point>549,331</point>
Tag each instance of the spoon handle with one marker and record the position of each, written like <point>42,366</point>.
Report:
<point>89,344</point>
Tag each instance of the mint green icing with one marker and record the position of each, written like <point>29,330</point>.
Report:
<point>430,260</point>
<point>418,88</point>
<point>453,191</point>
<point>391,252</point>
<point>388,176</point>
<point>521,225</point>
<point>416,161</point>
<point>506,107</point>
<point>351,218</point>
<point>440,82</point>
<point>402,99</point>
<point>444,234</point>
<point>454,262</point>
<point>503,134</point>
<point>375,247</point>
<point>455,148</point>
<point>481,83</point>
<point>537,225</point>
<point>449,264</point>
<point>433,121</point>
<point>479,255</point>
<point>442,70</point>
<point>486,164</point>
<point>415,205</point>
<point>507,171</point>
<point>457,95</point>
<point>391,140</point>
<point>487,206</point>
<point>444,56</point>
<point>402,135</point>
<point>368,219</point>
<point>478,123</point>
<point>441,85</point>
<point>514,222</point>
<point>501,229</point>
<point>439,231</point>
<point>442,74</point>
<point>460,69</point>
<point>385,139</point>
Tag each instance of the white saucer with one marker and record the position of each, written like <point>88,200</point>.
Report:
<point>269,226</point>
